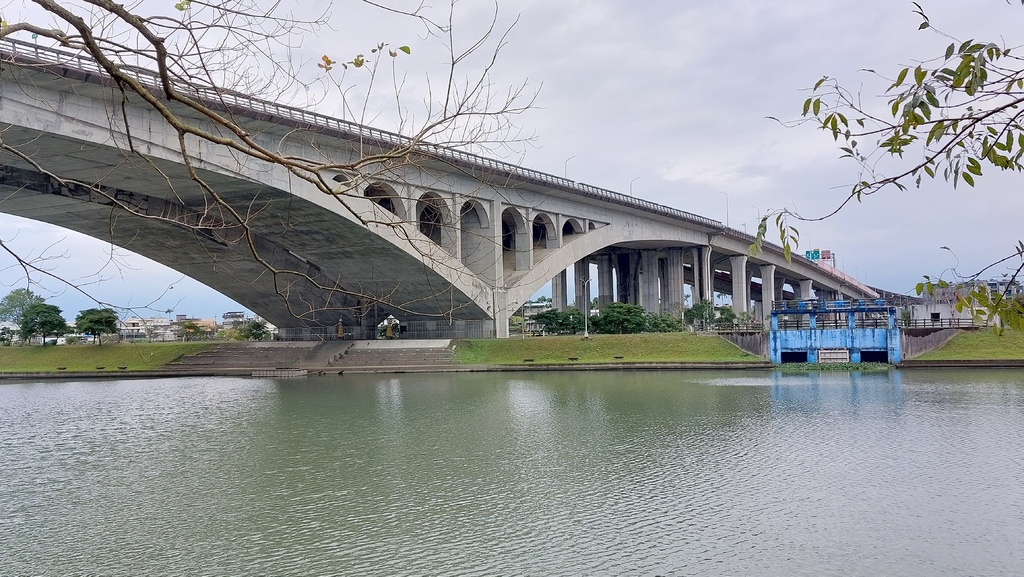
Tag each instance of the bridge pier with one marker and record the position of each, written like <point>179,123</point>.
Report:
<point>767,292</point>
<point>740,284</point>
<point>627,263</point>
<point>674,288</point>
<point>649,280</point>
<point>559,297</point>
<point>806,289</point>
<point>501,314</point>
<point>703,274</point>
<point>605,284</point>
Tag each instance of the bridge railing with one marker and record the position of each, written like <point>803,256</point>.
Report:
<point>948,323</point>
<point>730,327</point>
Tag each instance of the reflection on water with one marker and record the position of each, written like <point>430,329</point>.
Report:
<point>605,473</point>
<point>836,391</point>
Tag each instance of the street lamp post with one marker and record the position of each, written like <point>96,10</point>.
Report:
<point>726,207</point>
<point>565,167</point>
<point>631,185</point>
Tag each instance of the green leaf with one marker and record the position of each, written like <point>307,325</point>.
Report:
<point>967,178</point>
<point>817,106</point>
<point>899,78</point>
<point>919,75</point>
<point>936,132</point>
<point>949,50</point>
<point>973,167</point>
<point>405,49</point>
<point>807,106</point>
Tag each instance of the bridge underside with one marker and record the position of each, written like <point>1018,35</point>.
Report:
<point>294,263</point>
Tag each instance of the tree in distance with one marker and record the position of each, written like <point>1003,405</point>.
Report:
<point>43,320</point>
<point>953,116</point>
<point>620,318</point>
<point>13,306</point>
<point>96,322</point>
<point>254,331</point>
<point>190,331</point>
<point>556,322</point>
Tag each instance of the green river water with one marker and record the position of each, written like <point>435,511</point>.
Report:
<point>912,473</point>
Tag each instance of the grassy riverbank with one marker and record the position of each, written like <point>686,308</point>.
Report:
<point>983,344</point>
<point>662,347</point>
<point>136,357</point>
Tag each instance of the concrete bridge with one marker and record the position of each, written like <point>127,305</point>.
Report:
<point>453,241</point>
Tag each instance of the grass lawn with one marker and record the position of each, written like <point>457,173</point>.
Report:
<point>671,347</point>
<point>979,345</point>
<point>137,357</point>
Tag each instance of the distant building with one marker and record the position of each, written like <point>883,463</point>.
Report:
<point>939,308</point>
<point>234,319</point>
<point>155,329</point>
<point>533,308</point>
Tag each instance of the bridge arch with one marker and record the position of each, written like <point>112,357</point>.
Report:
<point>544,232</point>
<point>433,217</point>
<point>570,227</point>
<point>515,241</point>
<point>384,196</point>
<point>476,244</point>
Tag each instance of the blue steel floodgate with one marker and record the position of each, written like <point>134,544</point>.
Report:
<point>812,331</point>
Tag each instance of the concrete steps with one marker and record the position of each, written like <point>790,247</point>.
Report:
<point>254,355</point>
<point>395,354</point>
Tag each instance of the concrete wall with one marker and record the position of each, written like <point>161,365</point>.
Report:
<point>753,343</point>
<point>916,342</point>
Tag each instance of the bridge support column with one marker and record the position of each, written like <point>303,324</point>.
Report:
<point>767,291</point>
<point>674,285</point>
<point>605,288</point>
<point>582,273</point>
<point>559,298</point>
<point>807,289</point>
<point>740,284</point>
<point>703,275</point>
<point>663,302</point>
<point>649,281</point>
<point>501,314</point>
<point>626,267</point>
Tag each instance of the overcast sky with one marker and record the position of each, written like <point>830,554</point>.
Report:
<point>669,101</point>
